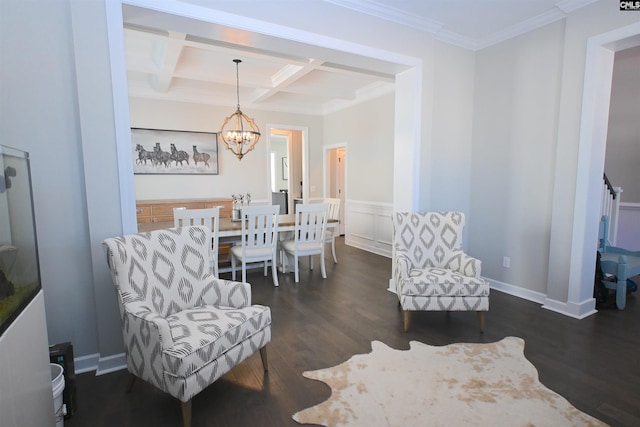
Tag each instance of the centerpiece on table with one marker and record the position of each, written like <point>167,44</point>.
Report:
<point>238,203</point>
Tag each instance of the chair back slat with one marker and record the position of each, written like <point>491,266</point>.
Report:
<point>334,207</point>
<point>311,222</point>
<point>260,227</point>
<point>210,218</point>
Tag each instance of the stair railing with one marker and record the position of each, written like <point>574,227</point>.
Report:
<point>610,206</point>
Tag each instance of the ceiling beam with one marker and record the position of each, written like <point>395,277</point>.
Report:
<point>285,77</point>
<point>166,54</point>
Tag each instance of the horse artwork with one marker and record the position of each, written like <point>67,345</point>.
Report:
<point>200,157</point>
<point>174,152</point>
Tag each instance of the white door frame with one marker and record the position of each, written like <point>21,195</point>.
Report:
<point>305,157</point>
<point>408,91</point>
<point>592,147</point>
<point>325,153</point>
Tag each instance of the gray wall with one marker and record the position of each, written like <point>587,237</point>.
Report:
<point>514,140</point>
<point>39,114</point>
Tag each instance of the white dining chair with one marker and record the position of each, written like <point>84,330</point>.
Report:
<point>209,217</point>
<point>333,230</point>
<point>259,240</point>
<point>309,234</point>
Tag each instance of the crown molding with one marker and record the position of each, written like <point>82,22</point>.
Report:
<point>389,13</point>
<point>521,28</point>
<point>568,6</point>
<point>563,8</point>
<point>372,8</point>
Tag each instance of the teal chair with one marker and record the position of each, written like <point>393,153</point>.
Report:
<point>616,261</point>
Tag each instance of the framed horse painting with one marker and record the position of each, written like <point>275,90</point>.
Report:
<point>174,152</point>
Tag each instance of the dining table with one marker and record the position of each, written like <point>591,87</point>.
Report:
<point>230,231</point>
<point>232,228</point>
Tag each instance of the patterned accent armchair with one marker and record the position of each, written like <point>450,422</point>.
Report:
<point>183,328</point>
<point>431,272</point>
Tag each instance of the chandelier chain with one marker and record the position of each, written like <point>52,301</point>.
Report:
<point>237,61</point>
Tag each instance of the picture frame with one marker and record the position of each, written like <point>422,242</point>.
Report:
<point>285,168</point>
<point>156,151</point>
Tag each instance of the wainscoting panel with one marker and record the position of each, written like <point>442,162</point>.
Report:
<point>369,227</point>
<point>629,226</point>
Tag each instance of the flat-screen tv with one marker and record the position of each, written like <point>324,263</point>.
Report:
<point>19,266</point>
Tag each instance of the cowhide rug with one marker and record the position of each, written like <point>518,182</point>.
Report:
<point>454,385</point>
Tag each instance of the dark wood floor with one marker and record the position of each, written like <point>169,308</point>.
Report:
<point>594,363</point>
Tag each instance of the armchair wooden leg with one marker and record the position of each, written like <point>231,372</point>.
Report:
<point>407,318</point>
<point>186,414</point>
<point>481,321</point>
<point>263,356</point>
<point>132,380</point>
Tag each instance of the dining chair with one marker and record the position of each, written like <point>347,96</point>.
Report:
<point>309,233</point>
<point>210,218</point>
<point>334,230</point>
<point>259,240</point>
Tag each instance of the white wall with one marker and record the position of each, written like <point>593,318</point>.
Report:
<point>514,139</point>
<point>628,229</point>
<point>451,151</point>
<point>367,129</point>
<point>249,175</point>
<point>622,160</point>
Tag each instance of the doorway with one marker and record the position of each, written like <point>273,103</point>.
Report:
<point>335,178</point>
<point>592,144</point>
<point>287,165</point>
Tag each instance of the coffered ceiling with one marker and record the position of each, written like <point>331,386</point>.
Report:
<point>185,59</point>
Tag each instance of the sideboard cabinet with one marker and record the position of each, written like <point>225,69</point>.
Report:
<point>162,210</point>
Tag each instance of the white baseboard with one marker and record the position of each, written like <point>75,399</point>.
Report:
<point>517,291</point>
<point>363,244</point>
<point>86,363</point>
<point>101,365</point>
<point>577,311</point>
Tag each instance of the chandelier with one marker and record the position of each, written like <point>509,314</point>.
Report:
<point>239,133</point>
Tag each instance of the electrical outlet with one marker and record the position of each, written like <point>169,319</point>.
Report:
<point>506,262</point>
